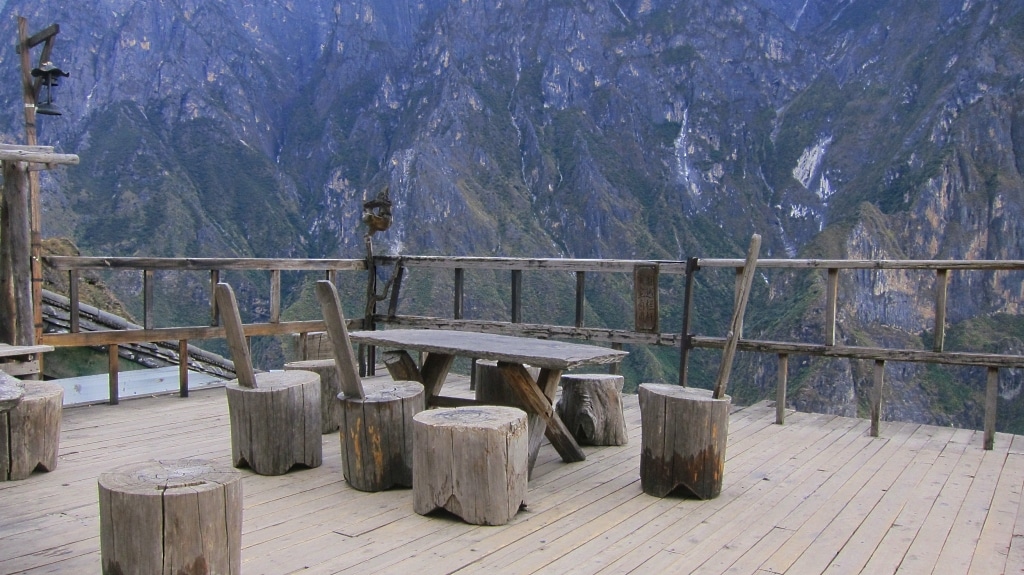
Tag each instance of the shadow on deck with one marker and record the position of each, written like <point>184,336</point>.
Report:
<point>812,495</point>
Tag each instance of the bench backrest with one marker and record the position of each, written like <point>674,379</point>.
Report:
<point>227,308</point>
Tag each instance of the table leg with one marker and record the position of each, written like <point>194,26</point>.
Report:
<point>434,371</point>
<point>538,397</point>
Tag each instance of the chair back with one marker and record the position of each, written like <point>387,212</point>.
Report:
<point>344,357</point>
<point>227,308</point>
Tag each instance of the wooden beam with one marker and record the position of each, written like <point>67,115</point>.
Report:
<point>991,404</point>
<point>736,325</point>
<point>876,397</point>
<point>831,305</point>
<point>780,389</point>
<point>941,289</point>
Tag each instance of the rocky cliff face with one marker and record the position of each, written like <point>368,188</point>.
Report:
<point>618,128</point>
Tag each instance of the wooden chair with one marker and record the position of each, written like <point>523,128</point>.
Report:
<point>376,414</point>
<point>275,416</point>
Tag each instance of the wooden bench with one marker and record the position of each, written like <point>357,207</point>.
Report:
<point>275,416</point>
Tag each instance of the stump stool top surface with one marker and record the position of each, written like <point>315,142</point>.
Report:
<point>679,392</point>
<point>384,390</point>
<point>272,380</point>
<point>483,416</point>
<point>143,478</point>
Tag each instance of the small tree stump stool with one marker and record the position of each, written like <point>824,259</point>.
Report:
<point>276,425</point>
<point>330,387</point>
<point>591,407</point>
<point>30,431</point>
<point>171,517</point>
<point>471,461</point>
<point>376,433</point>
<point>491,388</point>
<point>684,432</point>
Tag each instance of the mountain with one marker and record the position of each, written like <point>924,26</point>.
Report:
<point>596,129</point>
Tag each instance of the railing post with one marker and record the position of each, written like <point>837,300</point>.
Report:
<point>76,312</point>
<point>831,306</point>
<point>275,296</point>
<point>113,366</point>
<point>941,289</point>
<point>685,344</point>
<point>517,296</point>
<point>214,280</point>
<point>147,298</point>
<point>460,279</point>
<point>991,401</point>
<point>183,367</point>
<point>876,396</point>
<point>581,286</point>
<point>780,389</point>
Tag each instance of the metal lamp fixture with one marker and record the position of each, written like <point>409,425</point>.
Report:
<point>49,75</point>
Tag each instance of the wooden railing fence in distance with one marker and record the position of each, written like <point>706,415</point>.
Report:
<point>581,270</point>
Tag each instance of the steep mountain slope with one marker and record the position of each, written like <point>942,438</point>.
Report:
<point>618,128</point>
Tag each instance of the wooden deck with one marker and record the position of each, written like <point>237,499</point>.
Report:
<point>814,495</point>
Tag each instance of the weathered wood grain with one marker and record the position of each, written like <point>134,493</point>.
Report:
<point>377,436</point>
<point>32,431</point>
<point>471,461</point>
<point>330,387</point>
<point>276,425</point>
<point>171,517</point>
<point>591,407</point>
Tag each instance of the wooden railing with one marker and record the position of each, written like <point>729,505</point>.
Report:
<point>645,331</point>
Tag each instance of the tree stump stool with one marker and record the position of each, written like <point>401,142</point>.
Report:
<point>491,388</point>
<point>684,432</point>
<point>330,387</point>
<point>30,431</point>
<point>276,425</point>
<point>471,461</point>
<point>171,517</point>
<point>376,433</point>
<point>591,407</point>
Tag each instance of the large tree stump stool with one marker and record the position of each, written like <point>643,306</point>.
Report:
<point>330,387</point>
<point>171,517</point>
<point>684,432</point>
<point>276,425</point>
<point>591,407</point>
<point>491,388</point>
<point>376,433</point>
<point>471,461</point>
<point>30,431</point>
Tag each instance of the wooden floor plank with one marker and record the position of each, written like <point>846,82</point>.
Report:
<point>815,494</point>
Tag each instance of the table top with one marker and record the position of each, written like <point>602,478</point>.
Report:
<point>544,353</point>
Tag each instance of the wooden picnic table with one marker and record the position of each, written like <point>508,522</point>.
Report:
<point>512,354</point>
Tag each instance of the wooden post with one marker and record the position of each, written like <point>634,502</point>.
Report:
<point>780,389</point>
<point>113,368</point>
<point>17,297</point>
<point>941,289</point>
<point>214,312</point>
<point>76,312</point>
<point>831,305</point>
<point>459,280</point>
<point>178,516</point>
<point>147,298</point>
<point>991,402</point>
<point>876,396</point>
<point>581,289</point>
<point>517,296</point>
<point>736,325</point>
<point>183,367</point>
<point>275,296</point>
<point>685,345</point>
